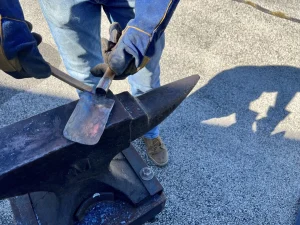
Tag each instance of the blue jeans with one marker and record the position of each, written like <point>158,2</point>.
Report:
<point>75,26</point>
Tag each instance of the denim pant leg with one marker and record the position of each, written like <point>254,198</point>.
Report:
<point>75,27</point>
<point>148,77</point>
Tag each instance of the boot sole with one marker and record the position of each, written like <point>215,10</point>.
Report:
<point>156,163</point>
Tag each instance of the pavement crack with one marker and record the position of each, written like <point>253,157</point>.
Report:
<point>279,14</point>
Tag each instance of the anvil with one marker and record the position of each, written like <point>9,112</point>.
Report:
<point>36,158</point>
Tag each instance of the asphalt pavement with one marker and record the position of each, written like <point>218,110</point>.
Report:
<point>234,142</point>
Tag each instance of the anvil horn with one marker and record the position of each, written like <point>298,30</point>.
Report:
<point>161,102</point>
<point>35,156</point>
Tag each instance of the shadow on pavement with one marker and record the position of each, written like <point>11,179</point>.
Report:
<point>255,99</point>
<point>23,105</point>
<point>18,102</point>
<point>9,86</point>
<point>234,154</point>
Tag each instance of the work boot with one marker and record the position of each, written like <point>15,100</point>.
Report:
<point>157,151</point>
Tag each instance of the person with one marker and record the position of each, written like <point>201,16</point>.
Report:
<point>133,50</point>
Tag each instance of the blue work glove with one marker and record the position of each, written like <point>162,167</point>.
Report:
<point>130,52</point>
<point>19,55</point>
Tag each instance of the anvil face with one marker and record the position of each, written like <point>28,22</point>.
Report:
<point>35,156</point>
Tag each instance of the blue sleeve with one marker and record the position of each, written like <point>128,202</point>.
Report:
<point>11,9</point>
<point>141,33</point>
<point>152,17</point>
<point>15,35</point>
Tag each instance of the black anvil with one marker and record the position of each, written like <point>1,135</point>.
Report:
<point>57,181</point>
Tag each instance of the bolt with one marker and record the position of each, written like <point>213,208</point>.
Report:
<point>146,173</point>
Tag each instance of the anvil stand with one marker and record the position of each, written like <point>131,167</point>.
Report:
<point>66,179</point>
<point>103,203</point>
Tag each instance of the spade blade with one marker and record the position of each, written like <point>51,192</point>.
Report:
<point>89,118</point>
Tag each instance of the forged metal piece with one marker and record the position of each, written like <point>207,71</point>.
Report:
<point>35,156</point>
<point>88,120</point>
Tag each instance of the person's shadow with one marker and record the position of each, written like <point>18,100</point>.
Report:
<point>256,99</point>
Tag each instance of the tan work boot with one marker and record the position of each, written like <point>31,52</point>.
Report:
<point>157,151</point>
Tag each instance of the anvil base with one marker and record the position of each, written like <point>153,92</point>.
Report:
<point>104,213</point>
<point>40,208</point>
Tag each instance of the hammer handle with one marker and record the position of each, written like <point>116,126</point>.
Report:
<point>70,80</point>
<point>105,82</point>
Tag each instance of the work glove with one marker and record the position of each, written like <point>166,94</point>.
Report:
<point>118,55</point>
<point>19,55</point>
<point>128,53</point>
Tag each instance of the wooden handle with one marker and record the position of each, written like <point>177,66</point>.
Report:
<point>70,80</point>
<point>105,82</point>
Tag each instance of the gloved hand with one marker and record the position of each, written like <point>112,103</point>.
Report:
<point>129,53</point>
<point>117,55</point>
<point>19,55</point>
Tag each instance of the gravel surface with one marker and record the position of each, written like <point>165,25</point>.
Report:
<point>234,142</point>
